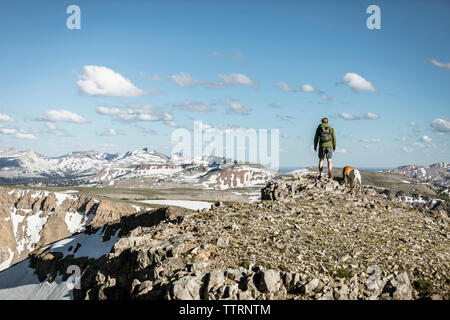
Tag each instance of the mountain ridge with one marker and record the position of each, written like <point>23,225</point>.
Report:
<point>313,240</point>
<point>139,167</point>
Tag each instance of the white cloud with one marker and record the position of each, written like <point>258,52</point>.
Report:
<point>108,111</point>
<point>237,107</point>
<point>152,77</point>
<point>357,83</point>
<point>323,95</point>
<point>303,88</point>
<point>193,106</point>
<point>54,130</point>
<point>7,131</point>
<point>25,136</point>
<point>440,126</point>
<point>341,150</point>
<point>185,80</point>
<point>370,115</point>
<point>307,88</point>
<point>426,139</point>
<point>20,134</point>
<point>439,64</point>
<point>285,118</point>
<point>347,116</point>
<point>6,118</point>
<point>233,79</point>
<point>285,87</point>
<point>136,113</point>
<point>61,116</point>
<point>414,126</point>
<point>170,123</point>
<point>407,149</point>
<point>236,55</point>
<point>51,126</point>
<point>223,129</point>
<point>370,140</point>
<point>110,132</point>
<point>102,81</point>
<point>418,144</point>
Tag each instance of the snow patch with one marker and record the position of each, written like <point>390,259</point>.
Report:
<point>91,246</point>
<point>74,221</point>
<point>21,283</point>
<point>188,204</point>
<point>5,264</point>
<point>34,226</point>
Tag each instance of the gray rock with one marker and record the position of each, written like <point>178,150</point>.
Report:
<point>215,279</point>
<point>292,281</point>
<point>270,281</point>
<point>187,288</point>
<point>399,288</point>
<point>374,283</point>
<point>145,287</point>
<point>235,274</point>
<point>222,242</point>
<point>310,286</point>
<point>341,293</point>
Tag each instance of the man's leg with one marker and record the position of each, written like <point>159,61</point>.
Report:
<point>320,167</point>
<point>330,167</point>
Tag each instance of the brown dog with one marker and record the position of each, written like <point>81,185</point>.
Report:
<point>351,176</point>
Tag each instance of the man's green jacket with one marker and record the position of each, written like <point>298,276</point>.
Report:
<point>331,143</point>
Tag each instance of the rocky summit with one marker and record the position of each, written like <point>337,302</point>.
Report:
<point>307,239</point>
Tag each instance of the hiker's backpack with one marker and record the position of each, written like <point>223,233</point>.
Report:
<point>325,134</point>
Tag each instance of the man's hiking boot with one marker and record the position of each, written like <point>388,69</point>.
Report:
<point>330,175</point>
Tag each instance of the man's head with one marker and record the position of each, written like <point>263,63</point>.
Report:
<point>324,120</point>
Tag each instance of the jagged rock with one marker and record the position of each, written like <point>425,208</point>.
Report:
<point>222,242</point>
<point>187,288</point>
<point>269,281</point>
<point>399,288</point>
<point>292,281</point>
<point>215,279</point>
<point>374,284</point>
<point>236,274</point>
<point>310,286</point>
<point>341,293</point>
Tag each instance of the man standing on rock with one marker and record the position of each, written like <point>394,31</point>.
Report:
<point>327,144</point>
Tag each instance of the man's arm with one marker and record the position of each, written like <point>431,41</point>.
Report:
<point>334,141</point>
<point>316,139</point>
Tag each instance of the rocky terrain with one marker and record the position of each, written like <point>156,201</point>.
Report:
<point>393,183</point>
<point>307,239</point>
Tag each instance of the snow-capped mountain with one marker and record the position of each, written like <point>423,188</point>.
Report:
<point>142,168</point>
<point>438,173</point>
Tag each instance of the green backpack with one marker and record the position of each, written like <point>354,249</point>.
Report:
<point>325,134</point>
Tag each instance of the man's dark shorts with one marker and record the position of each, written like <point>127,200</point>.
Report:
<point>326,151</point>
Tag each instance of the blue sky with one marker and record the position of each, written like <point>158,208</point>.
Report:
<point>137,70</point>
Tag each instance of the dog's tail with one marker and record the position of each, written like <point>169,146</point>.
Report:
<point>358,179</point>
